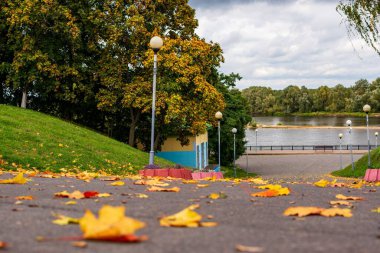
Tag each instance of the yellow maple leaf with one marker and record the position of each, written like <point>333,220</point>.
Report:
<point>160,189</point>
<point>19,179</point>
<point>302,211</point>
<point>73,195</point>
<point>342,197</point>
<point>331,212</point>
<point>118,183</point>
<point>111,223</point>
<point>322,183</point>
<point>340,202</point>
<point>185,218</point>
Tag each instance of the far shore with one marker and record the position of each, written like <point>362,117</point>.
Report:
<point>314,127</point>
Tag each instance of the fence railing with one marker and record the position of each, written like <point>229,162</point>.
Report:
<point>309,147</point>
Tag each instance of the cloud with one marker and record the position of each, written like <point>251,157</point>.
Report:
<point>278,43</point>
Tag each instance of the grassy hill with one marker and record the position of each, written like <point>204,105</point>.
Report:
<point>30,139</point>
<point>361,165</point>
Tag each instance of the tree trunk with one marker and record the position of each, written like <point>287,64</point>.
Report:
<point>132,130</point>
<point>24,97</point>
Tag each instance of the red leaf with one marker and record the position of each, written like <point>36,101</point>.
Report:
<point>123,239</point>
<point>90,194</point>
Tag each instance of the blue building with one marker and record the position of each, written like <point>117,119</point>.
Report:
<point>194,155</point>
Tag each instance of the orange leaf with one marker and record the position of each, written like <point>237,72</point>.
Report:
<point>3,245</point>
<point>302,211</point>
<point>331,212</point>
<point>24,198</point>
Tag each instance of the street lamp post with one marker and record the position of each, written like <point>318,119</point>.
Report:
<point>367,109</point>
<point>234,131</point>
<point>219,116</point>
<point>256,139</point>
<point>376,134</point>
<point>155,43</point>
<point>246,155</point>
<point>349,122</point>
<point>340,147</point>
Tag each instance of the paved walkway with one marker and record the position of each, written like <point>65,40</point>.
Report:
<point>295,166</point>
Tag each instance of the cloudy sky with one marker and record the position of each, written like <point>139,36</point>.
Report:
<point>276,43</point>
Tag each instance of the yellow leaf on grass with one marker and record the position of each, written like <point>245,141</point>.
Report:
<point>331,212</point>
<point>340,202</point>
<point>118,183</point>
<point>24,198</point>
<point>302,211</point>
<point>19,179</point>
<point>342,197</point>
<point>112,223</point>
<point>322,183</point>
<point>185,218</point>
<point>64,220</point>
<point>160,189</point>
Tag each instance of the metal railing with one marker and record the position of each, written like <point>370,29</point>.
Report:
<point>309,147</point>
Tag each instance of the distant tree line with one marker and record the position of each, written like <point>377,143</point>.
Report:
<point>294,99</point>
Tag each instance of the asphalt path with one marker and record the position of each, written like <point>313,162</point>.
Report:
<point>241,219</point>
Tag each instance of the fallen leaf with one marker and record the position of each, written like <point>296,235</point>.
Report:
<point>90,194</point>
<point>208,224</point>
<point>340,202</point>
<point>357,185</point>
<point>141,196</point>
<point>272,193</point>
<point>151,182</point>
<point>219,195</point>
<point>270,186</point>
<point>377,210</point>
<point>3,245</point>
<point>104,195</point>
<point>322,183</point>
<point>111,225</point>
<point>252,249</point>
<point>19,179</point>
<point>70,203</point>
<point>159,189</point>
<point>331,212</point>
<point>189,181</point>
<point>24,198</point>
<point>118,183</point>
<point>185,218</point>
<point>302,211</point>
<point>64,220</point>
<point>73,195</point>
<point>257,181</point>
<point>79,244</point>
<point>202,185</point>
<point>342,197</point>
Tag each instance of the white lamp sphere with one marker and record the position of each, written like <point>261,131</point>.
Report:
<point>366,108</point>
<point>348,122</point>
<point>234,130</point>
<point>156,43</point>
<point>376,134</point>
<point>340,135</point>
<point>218,115</point>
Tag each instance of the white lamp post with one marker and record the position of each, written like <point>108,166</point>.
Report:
<point>155,43</point>
<point>234,131</point>
<point>340,147</point>
<point>376,134</point>
<point>349,122</point>
<point>367,109</point>
<point>219,116</point>
<point>246,154</point>
<point>256,138</point>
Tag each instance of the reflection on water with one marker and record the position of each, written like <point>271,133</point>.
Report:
<point>315,121</point>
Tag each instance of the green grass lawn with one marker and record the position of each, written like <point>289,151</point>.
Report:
<point>228,172</point>
<point>360,166</point>
<point>30,139</point>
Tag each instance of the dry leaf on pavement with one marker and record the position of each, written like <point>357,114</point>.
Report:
<point>252,249</point>
<point>64,220</point>
<point>118,183</point>
<point>302,211</point>
<point>79,244</point>
<point>340,202</point>
<point>342,197</point>
<point>322,183</point>
<point>24,198</point>
<point>111,225</point>
<point>160,189</point>
<point>3,245</point>
<point>331,212</point>
<point>19,179</point>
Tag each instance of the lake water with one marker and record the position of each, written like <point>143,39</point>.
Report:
<point>313,136</point>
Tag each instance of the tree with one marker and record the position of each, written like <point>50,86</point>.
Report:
<point>235,115</point>
<point>362,19</point>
